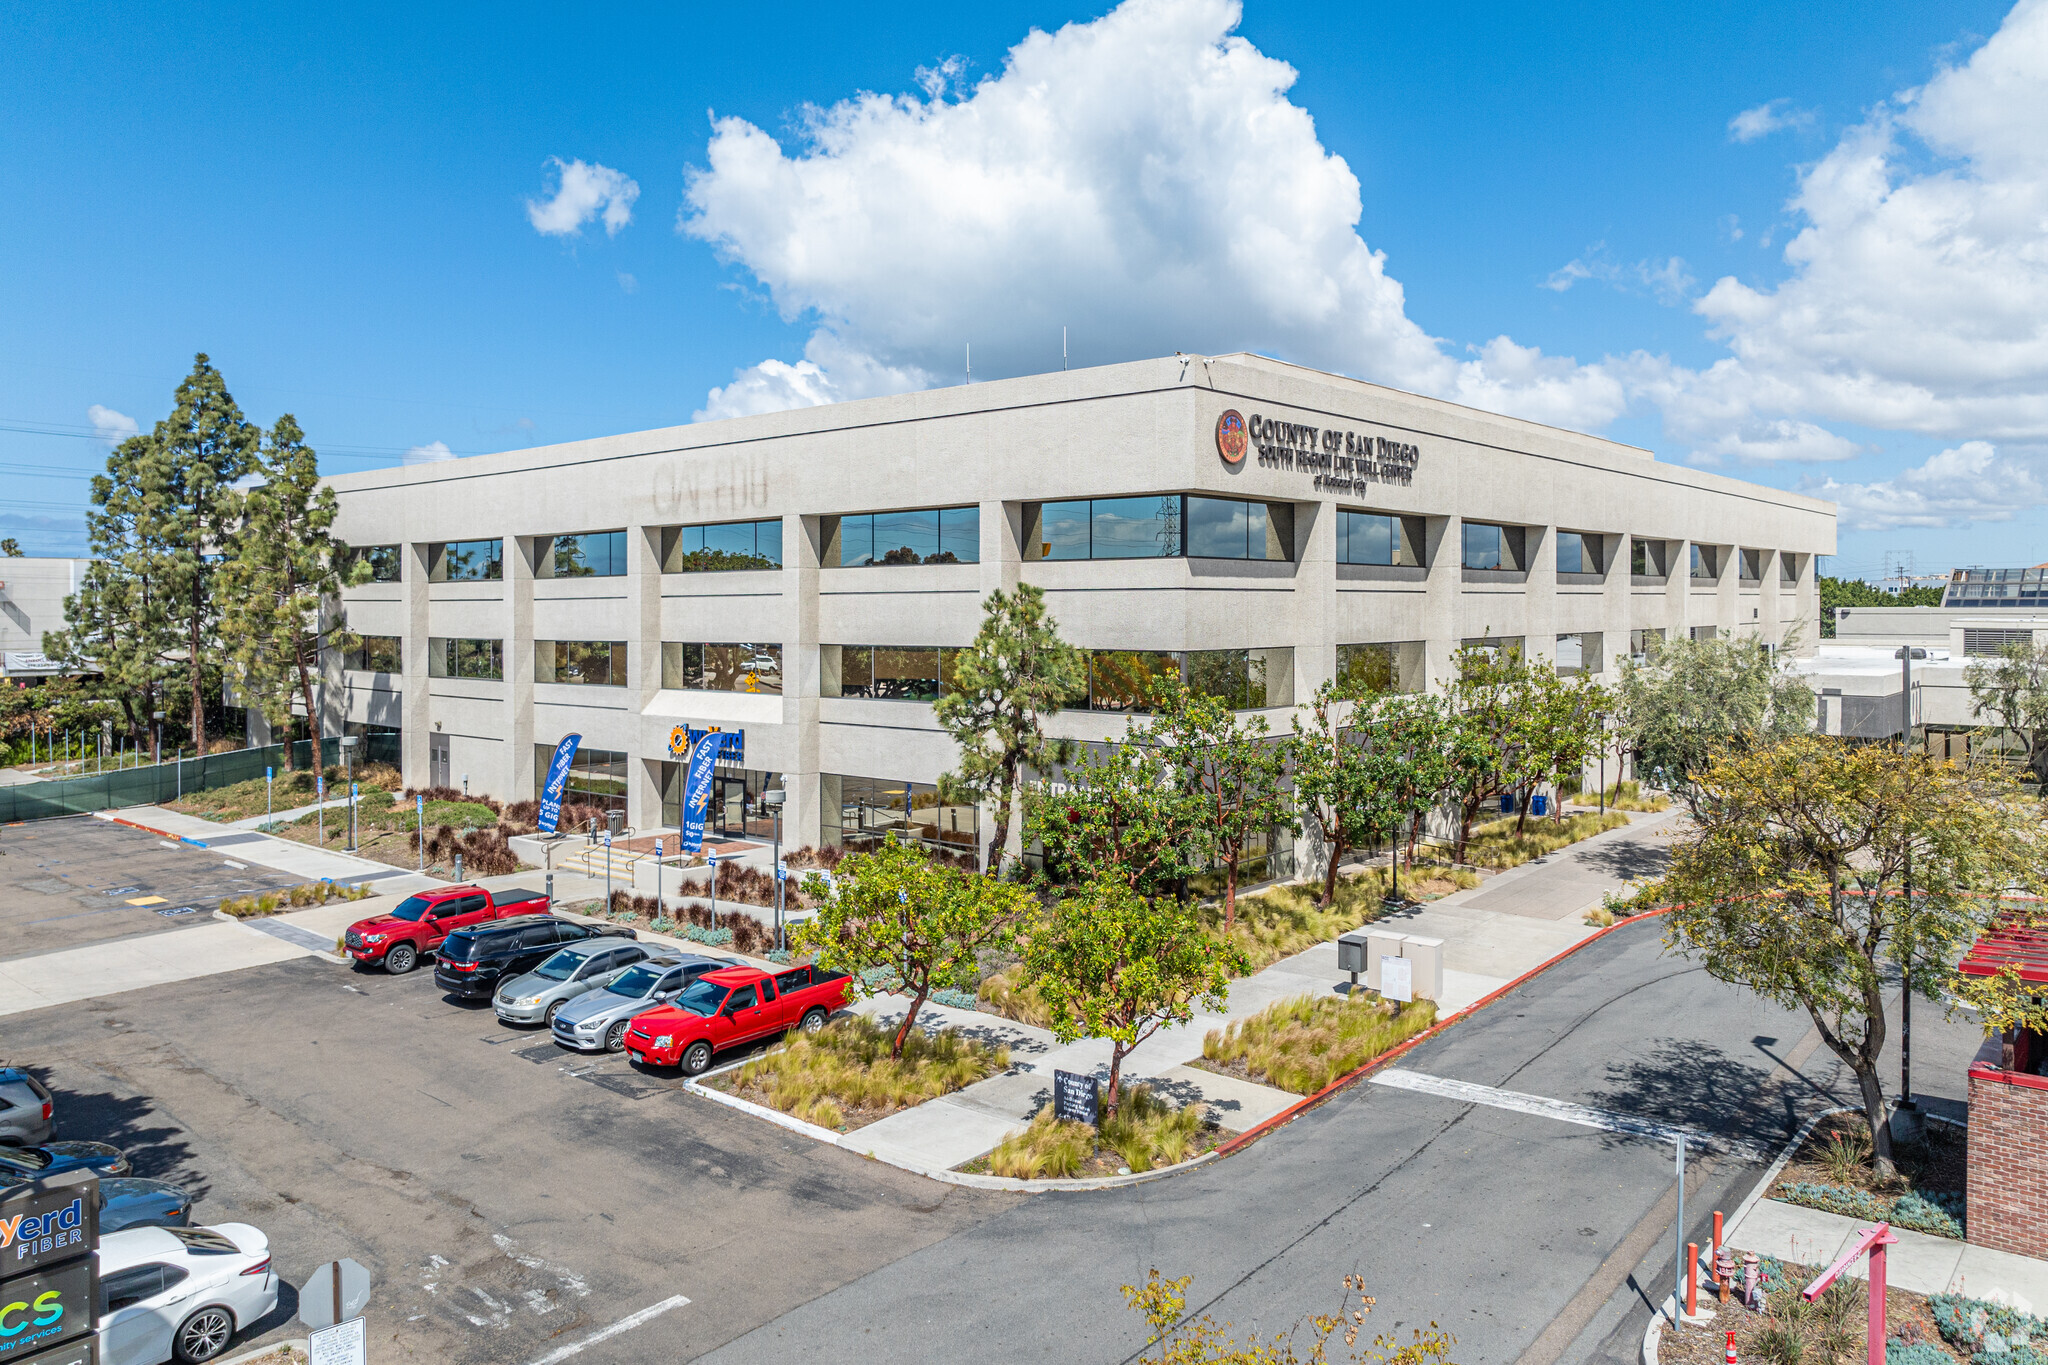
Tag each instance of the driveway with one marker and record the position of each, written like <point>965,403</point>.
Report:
<point>1490,1221</point>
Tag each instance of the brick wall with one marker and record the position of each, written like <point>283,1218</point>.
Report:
<point>2008,1208</point>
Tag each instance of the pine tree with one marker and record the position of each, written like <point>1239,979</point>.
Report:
<point>286,566</point>
<point>199,453</point>
<point>121,622</point>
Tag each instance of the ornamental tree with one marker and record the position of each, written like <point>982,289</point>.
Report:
<point>1413,753</point>
<point>1232,773</point>
<point>1792,879</point>
<point>286,570</point>
<point>1689,699</point>
<point>2012,689</point>
<point>895,920</point>
<point>1340,786</point>
<point>1120,812</point>
<point>1017,672</point>
<point>1111,964</point>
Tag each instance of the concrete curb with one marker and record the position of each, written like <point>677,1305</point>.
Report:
<point>1287,1115</point>
<point>1653,1335</point>
<point>978,1182</point>
<point>301,1343</point>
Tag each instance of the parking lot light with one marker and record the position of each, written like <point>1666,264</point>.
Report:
<point>773,799</point>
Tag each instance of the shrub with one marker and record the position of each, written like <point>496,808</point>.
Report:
<point>1846,1155</point>
<point>1050,1148</point>
<point>1915,1353</point>
<point>1001,994</point>
<point>1303,1044</point>
<point>959,1000</point>
<point>1147,1132</point>
<point>1939,1212</point>
<point>848,1063</point>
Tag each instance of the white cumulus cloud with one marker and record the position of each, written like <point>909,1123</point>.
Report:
<point>1765,119</point>
<point>1966,483</point>
<point>584,192</point>
<point>1142,180</point>
<point>428,453</point>
<point>111,426</point>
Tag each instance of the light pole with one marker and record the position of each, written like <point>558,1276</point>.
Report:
<point>156,744</point>
<point>348,757</point>
<point>1905,654</point>
<point>773,799</point>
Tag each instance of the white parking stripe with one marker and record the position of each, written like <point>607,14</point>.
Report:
<point>625,1324</point>
<point>231,863</point>
<point>1562,1110</point>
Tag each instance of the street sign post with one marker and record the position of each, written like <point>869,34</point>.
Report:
<point>1075,1097</point>
<point>334,1293</point>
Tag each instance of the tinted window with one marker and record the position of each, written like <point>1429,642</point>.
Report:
<point>742,999</point>
<point>126,1288</point>
<point>793,981</point>
<point>1571,552</point>
<point>412,907</point>
<point>1482,546</point>
<point>539,936</point>
<point>459,948</point>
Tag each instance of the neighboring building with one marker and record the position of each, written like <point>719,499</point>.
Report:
<point>32,593</point>
<point>1990,589</point>
<point>799,579</point>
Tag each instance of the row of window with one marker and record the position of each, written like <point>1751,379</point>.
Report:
<point>1157,527</point>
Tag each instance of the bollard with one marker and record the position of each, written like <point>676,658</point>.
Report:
<point>551,906</point>
<point>1692,1279</point>
<point>1717,1235</point>
<point>458,867</point>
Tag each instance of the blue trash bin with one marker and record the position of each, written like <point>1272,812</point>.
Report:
<point>1539,804</point>
<point>1507,803</point>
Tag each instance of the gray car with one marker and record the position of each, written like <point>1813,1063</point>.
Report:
<point>597,1021</point>
<point>27,1113</point>
<point>576,968</point>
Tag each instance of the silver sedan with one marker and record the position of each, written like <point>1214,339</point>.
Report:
<point>574,969</point>
<point>597,1021</point>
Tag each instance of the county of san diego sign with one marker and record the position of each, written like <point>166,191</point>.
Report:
<point>1340,460</point>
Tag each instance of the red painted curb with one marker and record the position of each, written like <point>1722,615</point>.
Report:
<point>159,833</point>
<point>1288,1114</point>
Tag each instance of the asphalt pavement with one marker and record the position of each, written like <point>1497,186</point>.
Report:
<point>1491,1222</point>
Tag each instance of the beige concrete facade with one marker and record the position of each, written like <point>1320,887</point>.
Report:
<point>32,593</point>
<point>1144,428</point>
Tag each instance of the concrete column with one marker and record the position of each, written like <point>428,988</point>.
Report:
<point>1768,630</point>
<point>1442,588</point>
<point>418,708</point>
<point>519,735</point>
<point>643,669</point>
<point>1615,603</point>
<point>1002,565</point>
<point>1678,588</point>
<point>802,815</point>
<point>1314,600</point>
<point>1729,617</point>
<point>1539,592</point>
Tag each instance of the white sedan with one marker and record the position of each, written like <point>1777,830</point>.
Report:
<point>180,1293</point>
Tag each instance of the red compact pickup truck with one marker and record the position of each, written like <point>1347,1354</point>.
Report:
<point>737,1005</point>
<point>417,924</point>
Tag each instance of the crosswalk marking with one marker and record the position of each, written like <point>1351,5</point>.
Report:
<point>1564,1111</point>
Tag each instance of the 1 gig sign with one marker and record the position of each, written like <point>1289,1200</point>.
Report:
<point>1340,460</point>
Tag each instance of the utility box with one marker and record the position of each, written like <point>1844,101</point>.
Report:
<point>615,821</point>
<point>1351,956</point>
<point>1380,943</point>
<point>1427,955</point>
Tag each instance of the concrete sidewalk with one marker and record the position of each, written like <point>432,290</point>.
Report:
<point>285,855</point>
<point>1920,1262</point>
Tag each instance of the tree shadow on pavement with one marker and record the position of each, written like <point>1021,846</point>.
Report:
<point>1626,859</point>
<point>1703,1088</point>
<point>155,1147</point>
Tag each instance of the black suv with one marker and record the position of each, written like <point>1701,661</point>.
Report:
<point>471,962</point>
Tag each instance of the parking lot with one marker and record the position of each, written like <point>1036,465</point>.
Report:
<point>508,1195</point>
<point>79,880</point>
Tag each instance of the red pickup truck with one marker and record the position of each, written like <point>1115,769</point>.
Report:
<point>736,1005</point>
<point>417,924</point>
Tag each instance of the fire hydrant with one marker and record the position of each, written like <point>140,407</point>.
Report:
<point>1752,1282</point>
<point>1724,1270</point>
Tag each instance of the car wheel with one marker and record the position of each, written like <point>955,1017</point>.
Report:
<point>615,1037</point>
<point>549,1018</point>
<point>696,1058</point>
<point>204,1335</point>
<point>401,959</point>
<point>813,1021</point>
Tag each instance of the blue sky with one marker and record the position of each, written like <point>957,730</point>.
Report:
<point>336,207</point>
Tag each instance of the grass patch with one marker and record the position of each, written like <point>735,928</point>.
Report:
<point>1304,1043</point>
<point>1145,1134</point>
<point>1628,796</point>
<point>244,800</point>
<point>1497,846</point>
<point>843,1076</point>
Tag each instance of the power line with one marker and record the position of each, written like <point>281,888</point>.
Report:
<point>25,428</point>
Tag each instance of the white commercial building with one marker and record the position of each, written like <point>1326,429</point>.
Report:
<point>32,593</point>
<point>799,580</point>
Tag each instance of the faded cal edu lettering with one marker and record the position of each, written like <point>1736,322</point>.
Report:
<point>1339,459</point>
<point>27,1236</point>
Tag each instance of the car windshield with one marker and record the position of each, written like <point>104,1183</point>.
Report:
<point>558,967</point>
<point>634,982</point>
<point>412,907</point>
<point>28,1160</point>
<point>703,997</point>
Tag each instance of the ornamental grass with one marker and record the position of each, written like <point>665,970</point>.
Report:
<point>1304,1043</point>
<point>845,1070</point>
<point>1049,1149</point>
<point>1497,846</point>
<point>1145,1133</point>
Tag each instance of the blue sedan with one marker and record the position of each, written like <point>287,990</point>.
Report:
<point>130,1202</point>
<point>51,1158</point>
